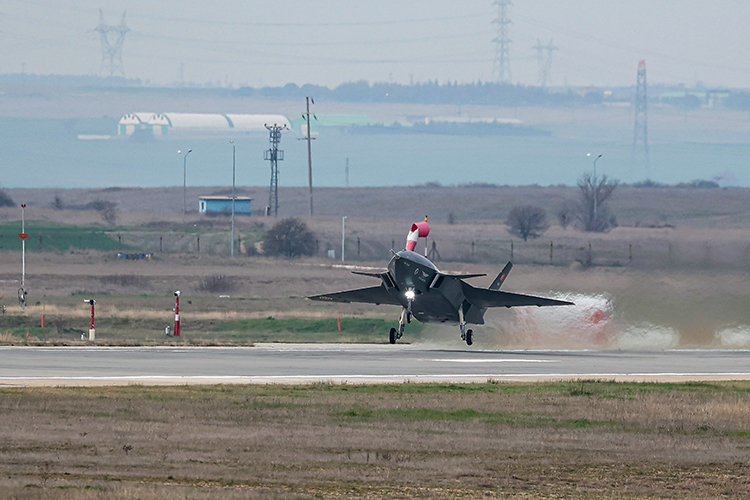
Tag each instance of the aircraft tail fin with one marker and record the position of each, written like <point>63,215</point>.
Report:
<point>501,277</point>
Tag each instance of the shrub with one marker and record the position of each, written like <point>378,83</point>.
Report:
<point>217,283</point>
<point>290,238</point>
<point>6,200</point>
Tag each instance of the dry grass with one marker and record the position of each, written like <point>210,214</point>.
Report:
<point>135,299</point>
<point>577,440</point>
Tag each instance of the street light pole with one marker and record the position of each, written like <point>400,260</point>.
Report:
<point>343,235</point>
<point>184,180</point>
<point>233,178</point>
<point>596,186</point>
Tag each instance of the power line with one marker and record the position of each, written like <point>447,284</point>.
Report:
<point>112,46</point>
<point>544,57</point>
<point>501,64</point>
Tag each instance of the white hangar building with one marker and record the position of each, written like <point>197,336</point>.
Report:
<point>209,123</point>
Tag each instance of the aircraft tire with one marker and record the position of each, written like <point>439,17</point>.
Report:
<point>392,336</point>
<point>469,339</point>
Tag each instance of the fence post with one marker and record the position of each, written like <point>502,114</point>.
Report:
<point>472,249</point>
<point>511,250</point>
<point>317,245</point>
<point>199,244</point>
<point>630,252</point>
<point>358,247</point>
<point>161,240</point>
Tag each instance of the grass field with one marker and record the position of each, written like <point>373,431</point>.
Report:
<point>45,236</point>
<point>581,439</point>
<point>149,330</point>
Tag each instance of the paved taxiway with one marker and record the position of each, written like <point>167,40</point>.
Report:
<point>297,363</point>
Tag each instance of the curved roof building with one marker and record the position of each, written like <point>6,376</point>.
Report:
<point>162,123</point>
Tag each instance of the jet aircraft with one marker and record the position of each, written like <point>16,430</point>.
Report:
<point>429,295</point>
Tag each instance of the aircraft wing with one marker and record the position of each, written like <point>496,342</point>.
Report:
<point>482,297</point>
<point>370,295</point>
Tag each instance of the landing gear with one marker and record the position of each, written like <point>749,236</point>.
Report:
<point>396,334</point>
<point>466,335</point>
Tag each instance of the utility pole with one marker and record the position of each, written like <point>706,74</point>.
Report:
<point>501,64</point>
<point>343,237</point>
<point>274,155</point>
<point>306,117</point>
<point>184,181</point>
<point>233,197</point>
<point>640,156</point>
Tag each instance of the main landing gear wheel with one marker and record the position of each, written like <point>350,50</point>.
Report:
<point>469,339</point>
<point>392,336</point>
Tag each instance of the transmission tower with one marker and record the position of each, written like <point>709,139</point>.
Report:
<point>274,155</point>
<point>640,135</point>
<point>501,65</point>
<point>544,57</point>
<point>113,38</point>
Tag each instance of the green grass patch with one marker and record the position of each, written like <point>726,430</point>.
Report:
<point>360,326</point>
<point>44,236</point>
<point>364,414</point>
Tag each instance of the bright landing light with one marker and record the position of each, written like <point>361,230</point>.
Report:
<point>409,294</point>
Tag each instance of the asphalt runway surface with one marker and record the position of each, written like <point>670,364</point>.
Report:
<point>347,363</point>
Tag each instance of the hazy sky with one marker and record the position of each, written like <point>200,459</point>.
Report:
<point>251,42</point>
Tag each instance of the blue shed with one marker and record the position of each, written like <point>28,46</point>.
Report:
<point>223,204</point>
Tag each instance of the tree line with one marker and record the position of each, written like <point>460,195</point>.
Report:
<point>433,92</point>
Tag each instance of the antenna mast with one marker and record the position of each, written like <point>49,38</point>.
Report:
<point>274,155</point>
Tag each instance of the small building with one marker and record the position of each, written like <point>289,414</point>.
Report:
<point>223,205</point>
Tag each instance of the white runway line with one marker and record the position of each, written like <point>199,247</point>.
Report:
<point>154,380</point>
<point>493,360</point>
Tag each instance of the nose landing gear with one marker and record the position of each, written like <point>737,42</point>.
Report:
<point>466,335</point>
<point>397,334</point>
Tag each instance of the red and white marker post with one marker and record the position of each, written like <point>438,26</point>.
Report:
<point>92,331</point>
<point>177,313</point>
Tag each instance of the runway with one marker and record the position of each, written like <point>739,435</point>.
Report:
<point>347,363</point>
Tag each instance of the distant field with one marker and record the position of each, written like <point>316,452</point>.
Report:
<point>583,440</point>
<point>46,236</point>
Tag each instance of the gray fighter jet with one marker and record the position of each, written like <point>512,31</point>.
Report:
<point>429,295</point>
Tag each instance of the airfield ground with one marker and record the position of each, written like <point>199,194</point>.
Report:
<point>565,440</point>
<point>687,275</point>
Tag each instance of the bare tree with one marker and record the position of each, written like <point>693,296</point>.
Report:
<point>289,237</point>
<point>566,213</point>
<point>593,212</point>
<point>527,221</point>
<point>107,209</point>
